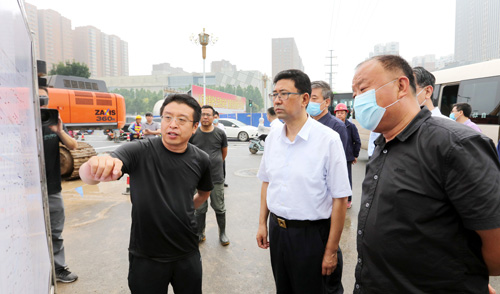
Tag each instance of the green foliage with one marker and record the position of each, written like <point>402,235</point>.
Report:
<point>139,101</point>
<point>75,69</point>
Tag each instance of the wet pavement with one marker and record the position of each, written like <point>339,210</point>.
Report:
<point>98,226</point>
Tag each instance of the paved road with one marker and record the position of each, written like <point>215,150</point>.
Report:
<point>98,224</point>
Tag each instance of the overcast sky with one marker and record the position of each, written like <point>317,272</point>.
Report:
<point>159,31</point>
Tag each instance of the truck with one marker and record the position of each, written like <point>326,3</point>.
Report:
<point>83,104</point>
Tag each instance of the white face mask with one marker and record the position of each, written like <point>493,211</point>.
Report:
<point>423,102</point>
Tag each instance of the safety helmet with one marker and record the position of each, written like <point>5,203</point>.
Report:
<point>341,106</point>
<point>138,117</point>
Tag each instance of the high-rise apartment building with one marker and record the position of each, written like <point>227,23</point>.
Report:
<point>285,55</point>
<point>55,37</point>
<point>88,49</point>
<point>32,15</point>
<point>55,41</point>
<point>477,31</point>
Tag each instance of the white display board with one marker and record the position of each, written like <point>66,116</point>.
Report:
<point>25,265</point>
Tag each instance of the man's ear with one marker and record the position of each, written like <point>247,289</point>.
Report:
<point>404,87</point>
<point>195,127</point>
<point>428,92</point>
<point>328,101</point>
<point>305,99</point>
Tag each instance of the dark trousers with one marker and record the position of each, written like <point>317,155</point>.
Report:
<point>349,172</point>
<point>146,276</point>
<point>297,256</point>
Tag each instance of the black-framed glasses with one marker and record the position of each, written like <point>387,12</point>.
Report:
<point>179,120</point>
<point>283,95</point>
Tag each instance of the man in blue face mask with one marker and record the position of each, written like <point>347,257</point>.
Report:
<point>321,97</point>
<point>428,220</point>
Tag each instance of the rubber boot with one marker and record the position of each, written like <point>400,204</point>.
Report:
<point>200,221</point>
<point>221,221</point>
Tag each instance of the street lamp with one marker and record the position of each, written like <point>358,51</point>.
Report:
<point>204,39</point>
<point>264,80</point>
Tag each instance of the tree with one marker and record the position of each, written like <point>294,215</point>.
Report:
<point>139,101</point>
<point>75,69</point>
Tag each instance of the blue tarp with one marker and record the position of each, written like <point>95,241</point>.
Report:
<point>247,118</point>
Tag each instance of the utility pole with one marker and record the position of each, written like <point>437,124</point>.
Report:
<point>331,65</point>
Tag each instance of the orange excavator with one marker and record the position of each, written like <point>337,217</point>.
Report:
<point>83,104</point>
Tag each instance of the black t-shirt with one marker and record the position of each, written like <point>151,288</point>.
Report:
<point>52,160</point>
<point>425,194</point>
<point>212,143</point>
<point>162,186</point>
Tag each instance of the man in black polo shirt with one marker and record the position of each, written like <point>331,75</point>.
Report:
<point>430,212</point>
<point>164,174</point>
<point>213,141</point>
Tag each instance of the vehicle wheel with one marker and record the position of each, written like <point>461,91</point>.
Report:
<point>253,150</point>
<point>66,162</point>
<point>243,136</point>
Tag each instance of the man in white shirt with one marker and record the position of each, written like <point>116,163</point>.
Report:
<point>216,121</point>
<point>425,82</point>
<point>305,188</point>
<point>273,119</point>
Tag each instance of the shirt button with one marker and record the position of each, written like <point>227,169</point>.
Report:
<point>357,286</point>
<point>367,205</point>
<point>385,151</point>
<point>375,177</point>
<point>359,260</point>
<point>360,232</point>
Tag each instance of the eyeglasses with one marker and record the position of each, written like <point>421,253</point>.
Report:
<point>283,95</point>
<point>179,120</point>
<point>206,114</point>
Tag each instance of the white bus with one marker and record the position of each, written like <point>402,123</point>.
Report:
<point>476,84</point>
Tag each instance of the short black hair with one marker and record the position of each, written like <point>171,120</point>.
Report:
<point>424,77</point>
<point>208,107</point>
<point>184,99</point>
<point>465,107</point>
<point>271,111</point>
<point>301,79</point>
<point>395,63</point>
<point>149,114</point>
<point>216,112</point>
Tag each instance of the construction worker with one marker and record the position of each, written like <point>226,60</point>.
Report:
<point>136,128</point>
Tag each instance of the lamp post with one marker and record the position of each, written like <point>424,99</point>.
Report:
<point>204,39</point>
<point>264,80</point>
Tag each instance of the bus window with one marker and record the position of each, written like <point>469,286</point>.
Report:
<point>449,98</point>
<point>345,98</point>
<point>435,95</point>
<point>483,95</point>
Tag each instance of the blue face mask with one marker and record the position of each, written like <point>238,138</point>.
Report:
<point>368,113</point>
<point>452,116</point>
<point>314,108</point>
<point>216,120</point>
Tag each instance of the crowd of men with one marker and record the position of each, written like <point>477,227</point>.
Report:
<point>429,219</point>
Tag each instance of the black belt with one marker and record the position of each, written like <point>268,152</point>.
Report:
<point>286,223</point>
